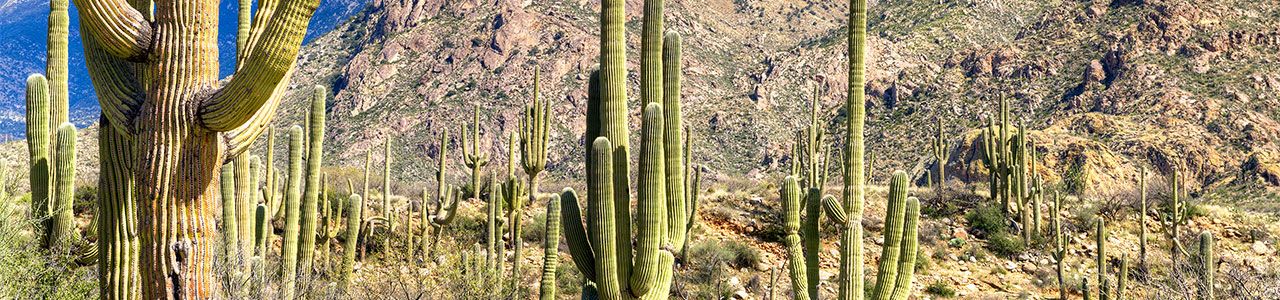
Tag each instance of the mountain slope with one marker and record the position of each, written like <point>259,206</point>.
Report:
<point>1106,87</point>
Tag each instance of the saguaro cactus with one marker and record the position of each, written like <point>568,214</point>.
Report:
<point>534,129</point>
<point>1122,278</point>
<point>475,156</point>
<point>801,263</point>
<point>1177,216</point>
<point>1104,288</point>
<point>513,194</point>
<point>230,221</point>
<point>355,206</point>
<point>940,153</point>
<point>38,148</point>
<point>1059,245</point>
<point>182,136</point>
<point>1207,265</point>
<point>62,224</point>
<point>851,277</point>
<point>447,197</point>
<point>315,155</point>
<point>293,214</point>
<point>387,209</point>
<point>117,246</point>
<point>897,262</point>
<point>550,250</point>
<point>1142,221</point>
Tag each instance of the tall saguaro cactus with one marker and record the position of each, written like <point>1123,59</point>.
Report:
<point>1104,288</point>
<point>475,156</point>
<point>161,69</point>
<point>1142,221</point>
<point>117,245</point>
<point>354,206</point>
<point>850,276</point>
<point>312,196</point>
<point>292,215</point>
<point>1176,217</point>
<point>534,129</point>
<point>803,264</point>
<point>447,197</point>
<point>1059,246</point>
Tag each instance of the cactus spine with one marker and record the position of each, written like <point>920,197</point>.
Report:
<point>550,251</point>
<point>940,153</point>
<point>1207,263</point>
<point>38,147</point>
<point>289,248</point>
<point>355,207</point>
<point>315,146</point>
<point>62,224</point>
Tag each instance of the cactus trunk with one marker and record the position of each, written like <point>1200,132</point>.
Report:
<point>355,207</point>
<point>117,247</point>
<point>62,224</point>
<point>293,214</point>
<point>550,249</point>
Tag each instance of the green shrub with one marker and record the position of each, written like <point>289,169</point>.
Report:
<point>988,218</point>
<point>940,289</point>
<point>1005,244</point>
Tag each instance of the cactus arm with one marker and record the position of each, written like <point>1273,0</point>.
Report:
<point>795,253</point>
<point>604,237</point>
<point>580,247</point>
<point>63,221</point>
<point>550,250</point>
<point>115,84</point>
<point>38,133</point>
<point>260,230</point>
<point>119,29</point>
<point>244,208</point>
<point>895,211</point>
<point>117,238</point>
<point>673,143</point>
<point>651,203</point>
<point>241,138</point>
<point>834,210</point>
<point>910,244</point>
<point>269,64</point>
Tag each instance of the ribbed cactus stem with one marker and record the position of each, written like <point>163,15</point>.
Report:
<point>1207,266</point>
<point>1122,278</point>
<point>895,212</point>
<point>613,125</point>
<point>244,206</point>
<point>1059,245</point>
<point>315,157</point>
<point>387,209</point>
<point>651,202</point>
<point>1104,289</point>
<point>910,244</point>
<point>270,191</point>
<point>604,239</point>
<point>795,252</point>
<point>812,240</point>
<point>940,153</point>
<point>230,221</point>
<point>38,134</point>
<point>63,219</point>
<point>56,64</point>
<point>674,143</point>
<point>1084,288</point>
<point>492,235</point>
<point>355,207</point>
<point>550,250</point>
<point>293,214</point>
<point>1142,221</point>
<point>850,280</point>
<point>117,245</point>
<point>260,230</point>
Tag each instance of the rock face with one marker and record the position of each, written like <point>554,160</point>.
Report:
<point>1103,96</point>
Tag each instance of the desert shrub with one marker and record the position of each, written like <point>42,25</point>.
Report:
<point>534,230</point>
<point>940,289</point>
<point>733,253</point>
<point>989,218</point>
<point>86,198</point>
<point>1005,244</point>
<point>32,273</point>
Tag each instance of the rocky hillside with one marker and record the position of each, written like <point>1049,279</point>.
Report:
<point>1106,86</point>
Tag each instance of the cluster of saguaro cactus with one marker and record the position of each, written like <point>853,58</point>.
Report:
<point>513,198</point>
<point>607,257</point>
<point>1002,155</point>
<point>803,264</point>
<point>896,271</point>
<point>810,151</point>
